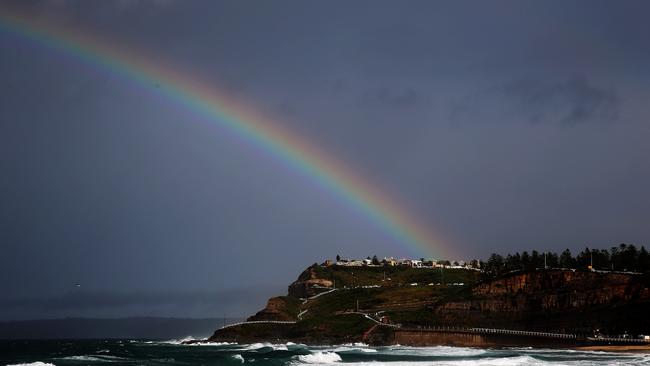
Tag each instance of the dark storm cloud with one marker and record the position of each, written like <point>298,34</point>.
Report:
<point>574,100</point>
<point>115,187</point>
<point>570,101</point>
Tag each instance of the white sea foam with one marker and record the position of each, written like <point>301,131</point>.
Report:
<point>271,346</point>
<point>238,357</point>
<point>37,363</point>
<point>187,339</point>
<point>254,346</point>
<point>94,358</point>
<point>488,361</point>
<point>356,344</point>
<point>320,358</point>
<point>177,341</point>
<point>328,358</point>
<point>295,346</point>
<point>83,358</point>
<point>213,344</point>
<point>355,350</point>
<point>435,351</point>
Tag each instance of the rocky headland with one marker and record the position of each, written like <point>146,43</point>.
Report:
<point>431,306</point>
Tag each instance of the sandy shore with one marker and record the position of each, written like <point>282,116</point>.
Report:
<point>616,348</point>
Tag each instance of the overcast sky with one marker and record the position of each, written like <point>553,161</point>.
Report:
<point>503,125</point>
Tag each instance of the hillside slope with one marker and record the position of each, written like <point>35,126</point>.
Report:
<point>340,304</point>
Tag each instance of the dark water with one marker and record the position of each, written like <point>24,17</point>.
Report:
<point>140,352</point>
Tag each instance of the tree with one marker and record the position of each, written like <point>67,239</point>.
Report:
<point>494,265</point>
<point>624,257</point>
<point>507,263</point>
<point>583,260</point>
<point>516,261</point>
<point>629,257</point>
<point>536,260</point>
<point>375,260</point>
<point>552,260</point>
<point>601,259</point>
<point>644,260</point>
<point>614,258</point>
<point>525,260</point>
<point>566,259</point>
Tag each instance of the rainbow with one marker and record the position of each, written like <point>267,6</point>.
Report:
<point>295,152</point>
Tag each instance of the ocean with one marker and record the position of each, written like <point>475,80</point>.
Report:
<point>143,352</point>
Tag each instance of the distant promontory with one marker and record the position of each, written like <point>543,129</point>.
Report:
<point>598,297</point>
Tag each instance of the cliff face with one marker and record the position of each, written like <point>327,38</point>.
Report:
<point>550,300</point>
<point>561,290</point>
<point>308,284</point>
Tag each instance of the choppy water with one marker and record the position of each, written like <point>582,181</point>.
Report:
<point>138,352</point>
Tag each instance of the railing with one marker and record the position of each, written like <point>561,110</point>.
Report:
<point>619,340</point>
<point>525,333</point>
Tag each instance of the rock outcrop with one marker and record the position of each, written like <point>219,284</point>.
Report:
<point>554,299</point>
<point>308,284</point>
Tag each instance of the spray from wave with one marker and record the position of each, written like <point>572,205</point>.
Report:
<point>320,358</point>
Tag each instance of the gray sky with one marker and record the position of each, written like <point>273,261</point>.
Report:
<point>503,125</point>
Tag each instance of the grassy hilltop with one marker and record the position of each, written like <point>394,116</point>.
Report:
<point>402,294</point>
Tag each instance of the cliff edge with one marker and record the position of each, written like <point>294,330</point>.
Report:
<point>338,304</point>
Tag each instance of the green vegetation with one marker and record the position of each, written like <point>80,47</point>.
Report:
<point>404,294</point>
<point>329,329</point>
<point>291,305</point>
<point>623,257</point>
<point>389,276</point>
<point>338,326</point>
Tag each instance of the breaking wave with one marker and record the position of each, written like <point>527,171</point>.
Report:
<point>94,358</point>
<point>320,358</point>
<point>238,357</point>
<point>436,351</point>
<point>163,353</point>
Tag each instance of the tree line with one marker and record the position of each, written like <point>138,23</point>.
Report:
<point>624,257</point>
